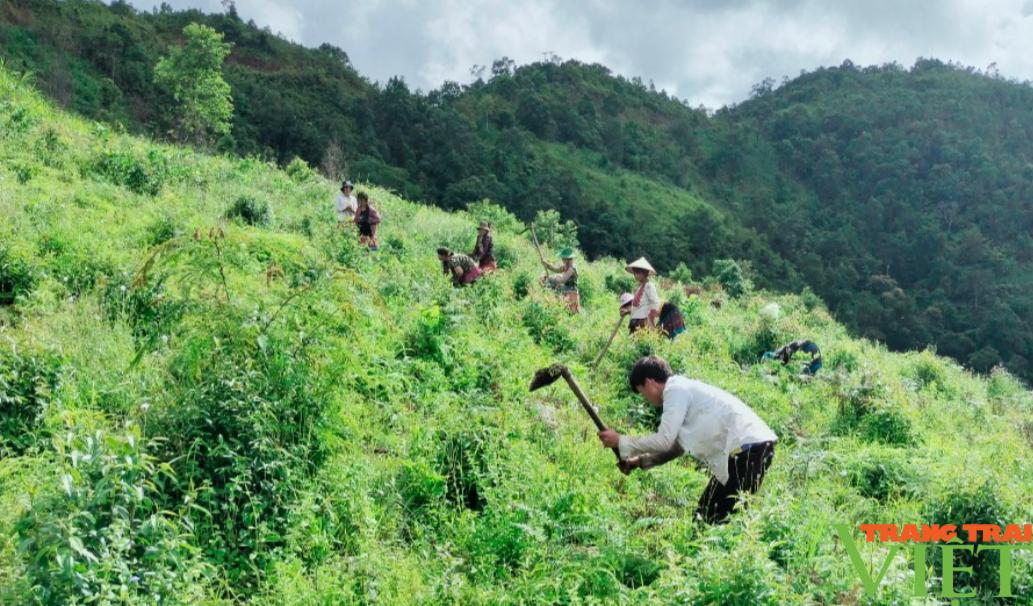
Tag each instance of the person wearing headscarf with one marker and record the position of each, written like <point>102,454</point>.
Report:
<point>462,269</point>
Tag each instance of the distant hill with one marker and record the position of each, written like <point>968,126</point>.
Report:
<point>900,195</point>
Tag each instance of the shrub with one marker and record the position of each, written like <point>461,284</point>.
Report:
<point>299,171</point>
<point>682,274</point>
<point>505,255</point>
<point>249,210</point>
<point>27,380</point>
<point>748,349</point>
<point>502,541</point>
<point>553,231</point>
<point>887,427</point>
<point>730,275</point>
<point>619,282</point>
<point>547,325</point>
<point>161,230</point>
<point>841,358</point>
<point>634,570</point>
<point>882,476</point>
<point>736,578</point>
<point>77,268</point>
<point>1002,384</point>
<point>522,285</point>
<point>144,175</point>
<point>50,147</point>
<point>104,538</point>
<point>25,172</point>
<point>862,411</point>
<point>17,276</point>
<point>242,425</point>
<point>462,460</point>
<point>148,308</point>
<point>587,289</point>
<point>973,506</point>
<point>425,340</point>
<point>500,218</point>
<point>928,372</point>
<point>419,487</point>
<point>810,300</point>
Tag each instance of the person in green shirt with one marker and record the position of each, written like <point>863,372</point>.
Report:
<point>564,279</point>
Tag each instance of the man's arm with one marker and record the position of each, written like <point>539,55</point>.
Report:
<point>664,439</point>
<point>654,304</point>
<point>647,461</point>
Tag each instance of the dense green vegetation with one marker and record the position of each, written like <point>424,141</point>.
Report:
<point>208,394</point>
<point>897,195</point>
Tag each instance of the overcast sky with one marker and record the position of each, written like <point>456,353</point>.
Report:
<point>708,52</point>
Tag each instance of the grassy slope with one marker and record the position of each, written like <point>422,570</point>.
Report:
<point>417,375</point>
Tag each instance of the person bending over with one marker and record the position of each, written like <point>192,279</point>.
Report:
<point>712,425</point>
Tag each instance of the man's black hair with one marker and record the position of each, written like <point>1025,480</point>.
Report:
<point>649,367</point>
<point>444,252</point>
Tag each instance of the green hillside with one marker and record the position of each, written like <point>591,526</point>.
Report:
<point>898,195</point>
<point>209,395</point>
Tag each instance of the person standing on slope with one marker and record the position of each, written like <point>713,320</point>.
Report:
<point>368,220</point>
<point>484,248</point>
<point>346,205</point>
<point>712,425</point>
<point>645,305</point>
<point>565,279</point>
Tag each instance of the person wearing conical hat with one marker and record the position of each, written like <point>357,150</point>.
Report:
<point>484,248</point>
<point>564,279</point>
<point>645,304</point>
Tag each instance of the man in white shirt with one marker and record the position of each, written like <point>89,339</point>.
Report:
<point>710,424</point>
<point>346,205</point>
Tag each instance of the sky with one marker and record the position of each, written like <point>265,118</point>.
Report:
<point>707,52</point>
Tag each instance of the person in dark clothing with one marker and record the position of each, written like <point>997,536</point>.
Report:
<point>671,322</point>
<point>785,354</point>
<point>484,248</point>
<point>368,220</point>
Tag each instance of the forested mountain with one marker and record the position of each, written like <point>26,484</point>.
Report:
<point>900,195</point>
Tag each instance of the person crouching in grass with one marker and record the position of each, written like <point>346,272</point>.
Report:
<point>712,425</point>
<point>462,268</point>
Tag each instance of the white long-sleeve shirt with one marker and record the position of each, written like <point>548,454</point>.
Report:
<point>650,301</point>
<point>707,422</point>
<point>345,206</point>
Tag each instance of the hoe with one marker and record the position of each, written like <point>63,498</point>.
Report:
<point>548,376</point>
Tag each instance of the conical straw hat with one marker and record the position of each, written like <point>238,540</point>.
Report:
<point>640,263</point>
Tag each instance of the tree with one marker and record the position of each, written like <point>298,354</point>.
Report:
<point>192,76</point>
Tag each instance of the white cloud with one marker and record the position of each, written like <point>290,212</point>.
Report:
<point>709,52</point>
